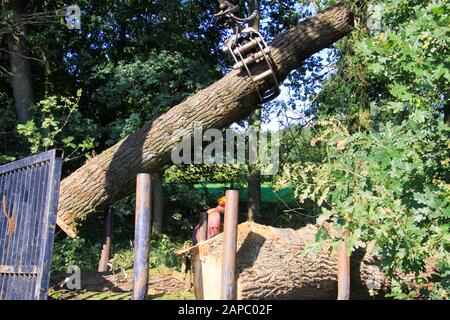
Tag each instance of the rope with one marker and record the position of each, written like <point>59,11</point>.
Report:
<point>11,226</point>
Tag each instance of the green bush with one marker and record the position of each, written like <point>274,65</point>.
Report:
<point>384,170</point>
<point>75,252</point>
<point>163,252</point>
<point>58,123</point>
<point>86,255</point>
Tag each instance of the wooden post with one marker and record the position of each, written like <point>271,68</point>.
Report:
<point>107,238</point>
<point>343,271</point>
<point>228,289</point>
<point>141,236</point>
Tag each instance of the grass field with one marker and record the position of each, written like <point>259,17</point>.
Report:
<point>268,194</point>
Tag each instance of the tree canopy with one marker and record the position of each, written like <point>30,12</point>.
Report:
<point>365,123</point>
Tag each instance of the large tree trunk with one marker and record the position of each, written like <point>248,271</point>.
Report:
<point>111,175</point>
<point>447,107</point>
<point>158,203</point>
<point>21,81</point>
<point>271,264</point>
<point>254,193</point>
<point>254,178</point>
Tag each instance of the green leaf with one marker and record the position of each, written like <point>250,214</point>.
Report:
<point>400,91</point>
<point>322,234</point>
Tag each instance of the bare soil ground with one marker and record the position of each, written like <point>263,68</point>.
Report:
<point>163,284</point>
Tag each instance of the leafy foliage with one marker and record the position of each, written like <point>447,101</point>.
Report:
<point>384,172</point>
<point>74,252</point>
<point>381,187</point>
<point>59,124</point>
<point>139,91</point>
<point>86,255</point>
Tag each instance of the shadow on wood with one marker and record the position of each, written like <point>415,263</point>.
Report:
<point>271,264</point>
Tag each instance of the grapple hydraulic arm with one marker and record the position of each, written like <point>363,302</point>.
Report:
<point>247,46</point>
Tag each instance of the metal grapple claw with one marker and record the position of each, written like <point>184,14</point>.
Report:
<point>247,47</point>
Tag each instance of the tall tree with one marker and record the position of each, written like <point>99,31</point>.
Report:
<point>447,107</point>
<point>21,80</point>
<point>157,202</point>
<point>254,177</point>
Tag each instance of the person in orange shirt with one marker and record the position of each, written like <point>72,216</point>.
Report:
<point>214,222</point>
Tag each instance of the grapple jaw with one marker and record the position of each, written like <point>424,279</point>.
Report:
<point>248,49</point>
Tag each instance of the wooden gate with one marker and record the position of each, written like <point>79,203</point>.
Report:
<point>29,199</point>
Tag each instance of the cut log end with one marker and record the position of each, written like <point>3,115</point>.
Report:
<point>271,264</point>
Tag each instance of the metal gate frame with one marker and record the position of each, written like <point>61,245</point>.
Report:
<point>32,185</point>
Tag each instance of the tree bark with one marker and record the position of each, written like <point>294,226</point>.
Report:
<point>270,264</point>
<point>254,178</point>
<point>107,240</point>
<point>447,113</point>
<point>447,108</point>
<point>111,175</point>
<point>158,202</point>
<point>21,80</point>
<point>254,193</point>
